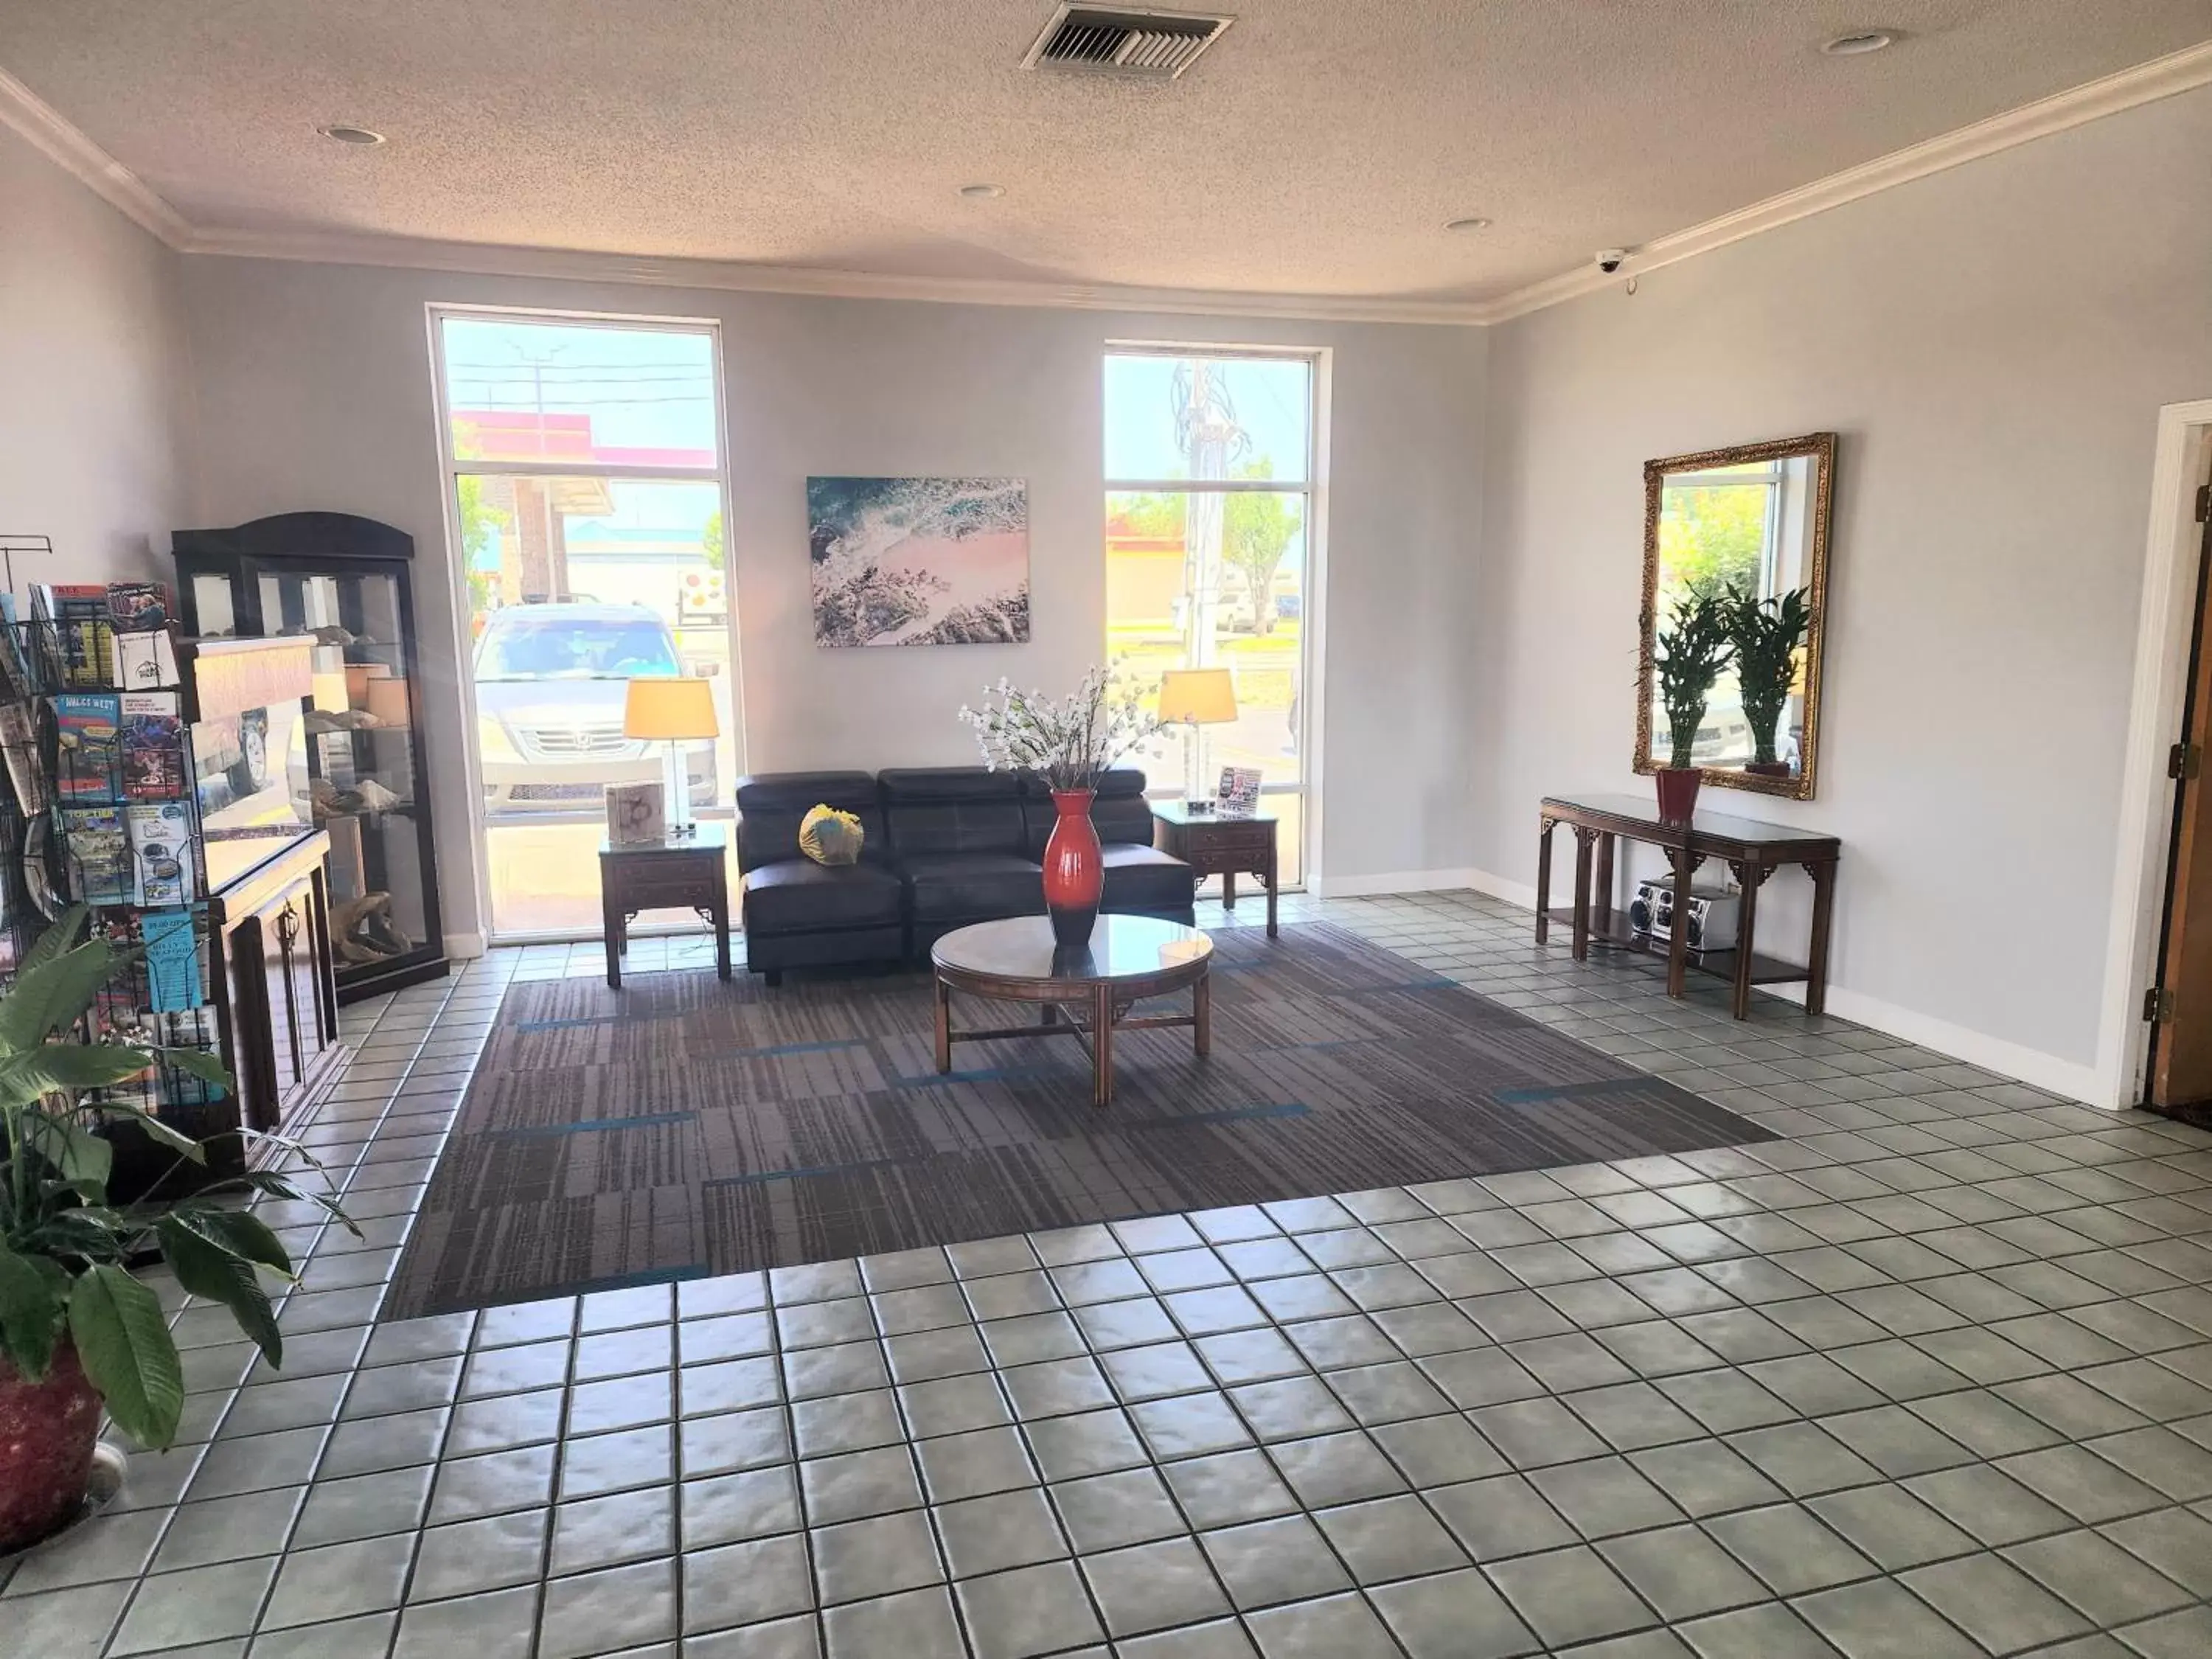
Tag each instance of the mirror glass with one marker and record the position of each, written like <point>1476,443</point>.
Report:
<point>1747,527</point>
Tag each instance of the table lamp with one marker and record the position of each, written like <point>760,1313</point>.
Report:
<point>674,710</point>
<point>1194,697</point>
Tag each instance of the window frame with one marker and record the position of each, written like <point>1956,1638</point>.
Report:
<point>1313,488</point>
<point>452,468</point>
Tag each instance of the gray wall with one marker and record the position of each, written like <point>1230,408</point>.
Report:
<point>1993,343</point>
<point>92,377</point>
<point>315,392</point>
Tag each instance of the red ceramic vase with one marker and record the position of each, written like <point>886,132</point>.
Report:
<point>1074,870</point>
<point>1678,792</point>
<point>47,1433</point>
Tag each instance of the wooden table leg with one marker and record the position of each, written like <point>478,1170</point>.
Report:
<point>1601,907</point>
<point>1677,936</point>
<point>1824,902</point>
<point>1202,1016</point>
<point>1269,876</point>
<point>1048,1014</point>
<point>1229,890</point>
<point>721,918</point>
<point>1544,827</point>
<point>1101,1046</point>
<point>1748,876</point>
<point>943,1027</point>
<point>610,923</point>
<point>1583,839</point>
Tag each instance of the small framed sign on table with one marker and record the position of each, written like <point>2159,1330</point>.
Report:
<point>637,814</point>
<point>1238,796</point>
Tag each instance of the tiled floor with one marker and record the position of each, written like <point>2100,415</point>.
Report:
<point>1931,1376</point>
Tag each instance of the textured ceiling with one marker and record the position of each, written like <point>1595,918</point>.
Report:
<point>1316,148</point>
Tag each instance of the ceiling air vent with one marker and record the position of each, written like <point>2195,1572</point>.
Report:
<point>1157,46</point>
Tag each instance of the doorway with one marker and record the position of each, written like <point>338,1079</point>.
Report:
<point>2178,1006</point>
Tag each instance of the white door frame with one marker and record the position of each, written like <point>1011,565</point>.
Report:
<point>2146,816</point>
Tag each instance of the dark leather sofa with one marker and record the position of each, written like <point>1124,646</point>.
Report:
<point>945,847</point>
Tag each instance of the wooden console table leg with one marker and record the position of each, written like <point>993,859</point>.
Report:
<point>1684,867</point>
<point>1201,1017</point>
<point>1824,900</point>
<point>1269,876</point>
<point>1544,827</point>
<point>1601,907</point>
<point>1749,875</point>
<point>612,922</point>
<point>1583,840</point>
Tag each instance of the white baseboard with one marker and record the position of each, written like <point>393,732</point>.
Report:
<point>1395,881</point>
<point>2071,1078</point>
<point>463,947</point>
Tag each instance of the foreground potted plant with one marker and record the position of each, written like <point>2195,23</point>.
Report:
<point>1691,651</point>
<point>76,1330</point>
<point>1067,741</point>
<point>1766,634</point>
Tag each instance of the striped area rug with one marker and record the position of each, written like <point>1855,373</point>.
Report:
<point>680,1126</point>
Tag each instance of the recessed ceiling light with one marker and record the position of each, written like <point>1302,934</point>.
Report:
<point>1859,44</point>
<point>982,192</point>
<point>345,135</point>
<point>1468,224</point>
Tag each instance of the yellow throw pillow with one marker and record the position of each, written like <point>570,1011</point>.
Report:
<point>831,837</point>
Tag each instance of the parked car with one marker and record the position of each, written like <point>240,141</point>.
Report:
<point>551,681</point>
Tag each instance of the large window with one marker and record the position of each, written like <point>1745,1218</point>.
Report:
<point>583,460</point>
<point>1210,534</point>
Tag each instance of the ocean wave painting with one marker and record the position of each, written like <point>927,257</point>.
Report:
<point>920,560</point>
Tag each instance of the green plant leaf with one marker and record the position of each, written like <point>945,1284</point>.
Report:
<point>52,991</point>
<point>128,1353</point>
<point>174,1140</point>
<point>79,1155</point>
<point>33,1306</point>
<point>67,930</point>
<point>208,1268</point>
<point>48,1066</point>
<point>241,1234</point>
<point>196,1062</point>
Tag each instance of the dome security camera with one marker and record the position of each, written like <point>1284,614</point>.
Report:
<point>1610,259</point>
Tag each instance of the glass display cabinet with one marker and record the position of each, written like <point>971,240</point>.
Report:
<point>344,583</point>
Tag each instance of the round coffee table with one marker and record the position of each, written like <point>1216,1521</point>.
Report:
<point>1130,958</point>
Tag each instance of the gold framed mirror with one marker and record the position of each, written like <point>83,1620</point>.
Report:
<point>1748,525</point>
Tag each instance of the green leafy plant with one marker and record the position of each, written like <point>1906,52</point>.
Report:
<point>1690,653</point>
<point>1766,634</point>
<point>63,1246</point>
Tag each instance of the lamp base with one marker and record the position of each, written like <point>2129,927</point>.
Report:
<point>676,785</point>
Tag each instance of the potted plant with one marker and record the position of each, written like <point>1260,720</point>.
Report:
<point>76,1330</point>
<point>1067,741</point>
<point>1690,653</point>
<point>1766,634</point>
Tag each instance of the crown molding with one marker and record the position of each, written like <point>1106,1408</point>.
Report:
<point>54,137</point>
<point>2161,78</point>
<point>49,132</point>
<point>322,247</point>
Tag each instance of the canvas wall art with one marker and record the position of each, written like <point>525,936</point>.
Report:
<point>920,560</point>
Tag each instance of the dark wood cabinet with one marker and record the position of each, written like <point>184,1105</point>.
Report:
<point>269,938</point>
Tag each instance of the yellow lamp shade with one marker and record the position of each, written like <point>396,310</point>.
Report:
<point>1197,697</point>
<point>670,708</point>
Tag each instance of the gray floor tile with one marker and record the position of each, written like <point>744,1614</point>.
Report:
<point>500,1625</point>
<point>339,1580</point>
<point>1570,1596</point>
<point>743,1583</point>
<point>474,1556</point>
<point>989,1535</point>
<point>1891,1526</point>
<point>915,1625</point>
<point>173,1610</point>
<point>860,1560</point>
<point>1339,1628</point>
<point>1767,1631</point>
<point>1995,1603</point>
<point>1268,1562</point>
<point>1030,1610</point>
<point>1389,1538</point>
<point>1153,1586</point>
<point>1880,1619</point>
<point>1605,1496</point>
<point>2111,1586</point>
<point>728,1509</point>
<point>1225,1638</point>
<point>1790,1548</point>
<point>1453,1615</point>
<point>1108,1512</point>
<point>597,1613</point>
<point>1681,1572</point>
<point>1228,1488</point>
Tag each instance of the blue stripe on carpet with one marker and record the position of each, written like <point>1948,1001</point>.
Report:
<point>1612,1086</point>
<point>793,1048</point>
<point>587,1126</point>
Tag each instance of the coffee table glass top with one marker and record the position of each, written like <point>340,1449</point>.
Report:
<point>1121,947</point>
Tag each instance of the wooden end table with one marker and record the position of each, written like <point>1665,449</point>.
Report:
<point>688,874</point>
<point>1227,845</point>
<point>1130,958</point>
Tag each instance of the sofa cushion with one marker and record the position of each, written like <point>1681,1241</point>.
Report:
<point>771,806</point>
<point>1144,879</point>
<point>933,811</point>
<point>794,895</point>
<point>973,886</point>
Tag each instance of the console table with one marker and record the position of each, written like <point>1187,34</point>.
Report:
<point>685,874</point>
<point>1753,850</point>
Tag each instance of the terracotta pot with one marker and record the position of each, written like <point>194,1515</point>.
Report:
<point>47,1431</point>
<point>1074,870</point>
<point>1678,792</point>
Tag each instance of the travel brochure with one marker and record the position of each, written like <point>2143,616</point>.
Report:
<point>87,725</point>
<point>153,746</point>
<point>162,851</point>
<point>1239,793</point>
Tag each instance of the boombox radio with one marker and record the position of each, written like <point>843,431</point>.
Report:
<point>1711,916</point>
